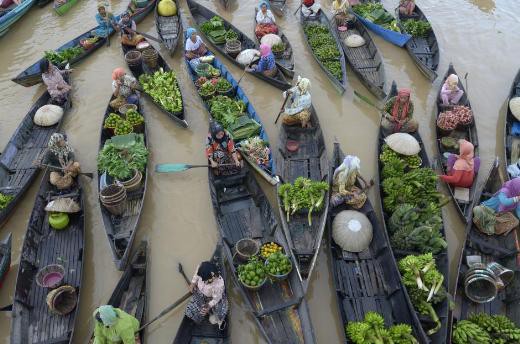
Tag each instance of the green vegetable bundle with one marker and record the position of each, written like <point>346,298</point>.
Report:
<point>253,273</point>
<point>243,128</point>
<point>376,13</point>
<point>216,32</point>
<point>226,110</point>
<point>372,331</point>
<point>324,47</point>
<point>483,328</point>
<point>64,56</point>
<point>207,89</point>
<point>278,48</point>
<point>5,200</point>
<point>164,89</point>
<point>119,160</point>
<point>389,155</point>
<point>222,85</point>
<point>417,28</point>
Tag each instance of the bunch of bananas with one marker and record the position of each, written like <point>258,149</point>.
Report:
<point>466,332</point>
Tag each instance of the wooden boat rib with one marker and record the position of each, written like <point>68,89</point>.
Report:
<point>309,161</point>
<point>12,14</point>
<point>5,256</point>
<point>121,229</point>
<point>366,60</point>
<point>383,292</point>
<point>441,259</point>
<point>32,321</point>
<point>179,117</point>
<point>201,14</point>
<point>189,332</point>
<point>469,133</point>
<point>340,84</point>
<point>17,168</point>
<point>511,142</point>
<point>32,74</point>
<point>169,29</point>
<point>424,51</point>
<point>65,7</point>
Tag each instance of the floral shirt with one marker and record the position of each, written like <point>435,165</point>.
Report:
<point>227,145</point>
<point>215,289</point>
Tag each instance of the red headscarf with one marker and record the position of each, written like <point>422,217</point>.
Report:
<point>118,73</point>
<point>308,3</point>
<point>399,118</point>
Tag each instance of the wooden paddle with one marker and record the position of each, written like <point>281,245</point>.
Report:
<point>8,308</point>
<point>282,108</point>
<point>366,100</point>
<point>173,168</point>
<point>145,35</point>
<point>245,70</point>
<point>86,174</point>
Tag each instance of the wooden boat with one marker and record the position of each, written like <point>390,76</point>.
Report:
<point>397,38</point>
<point>121,229</point>
<point>383,292</point>
<point>205,332</point>
<point>5,256</point>
<point>441,259</point>
<point>42,3</point>
<point>65,7</point>
<point>32,320</point>
<point>17,168</point>
<point>511,142</point>
<point>286,61</point>
<point>202,14</point>
<point>424,51</point>
<point>10,15</point>
<point>340,84</point>
<point>178,117</point>
<point>269,173</point>
<point>169,29</point>
<point>366,60</point>
<point>469,133</point>
<point>309,161</point>
<point>32,74</point>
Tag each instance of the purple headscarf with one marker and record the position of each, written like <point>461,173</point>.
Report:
<point>510,189</point>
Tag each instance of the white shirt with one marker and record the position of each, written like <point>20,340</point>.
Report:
<point>190,46</point>
<point>266,18</point>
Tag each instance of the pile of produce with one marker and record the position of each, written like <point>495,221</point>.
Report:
<point>324,47</point>
<point>269,248</point>
<point>123,127</point>
<point>5,200</point>
<point>458,115</point>
<point>134,117</point>
<point>278,48</point>
<point>112,120</point>
<point>121,155</point>
<point>278,264</point>
<point>216,32</point>
<point>372,331</point>
<point>207,89</point>
<point>64,56</point>
<point>304,194</point>
<point>164,89</point>
<point>226,110</point>
<point>388,155</point>
<point>252,274</point>
<point>256,149</point>
<point>417,28</point>
<point>222,85</point>
<point>482,328</point>
<point>376,13</point>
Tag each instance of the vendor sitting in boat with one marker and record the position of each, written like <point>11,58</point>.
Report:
<point>340,11</point>
<point>53,78</point>
<point>209,296</point>
<point>265,22</point>
<point>310,8</point>
<point>106,22</point>
<point>267,63</point>
<point>298,111</point>
<point>7,3</point>
<point>450,91</point>
<point>344,189</point>
<point>406,7</point>
<point>398,114</point>
<point>220,150</point>
<point>114,325</point>
<point>59,158</point>
<point>195,47</point>
<point>128,35</point>
<point>463,167</point>
<point>124,88</point>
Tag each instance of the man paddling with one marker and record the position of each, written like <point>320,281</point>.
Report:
<point>115,326</point>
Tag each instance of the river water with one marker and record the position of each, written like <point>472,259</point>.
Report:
<point>479,36</point>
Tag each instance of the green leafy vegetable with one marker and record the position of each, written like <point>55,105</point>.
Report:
<point>207,89</point>
<point>5,200</point>
<point>417,28</point>
<point>324,47</point>
<point>376,13</point>
<point>120,161</point>
<point>164,89</point>
<point>64,56</point>
<point>303,194</point>
<point>222,85</point>
<point>226,110</point>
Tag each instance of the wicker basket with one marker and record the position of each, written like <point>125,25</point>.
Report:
<point>134,60</point>
<point>62,300</point>
<point>246,248</point>
<point>51,276</point>
<point>150,57</point>
<point>233,47</point>
<point>133,183</point>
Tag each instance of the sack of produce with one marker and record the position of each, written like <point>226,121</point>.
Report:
<point>63,205</point>
<point>48,115</point>
<point>167,8</point>
<point>354,41</point>
<point>514,106</point>
<point>271,39</point>
<point>403,143</point>
<point>246,56</point>
<point>484,219</point>
<point>352,231</point>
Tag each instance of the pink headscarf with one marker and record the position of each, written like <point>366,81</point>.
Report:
<point>118,73</point>
<point>465,160</point>
<point>400,117</point>
<point>265,50</point>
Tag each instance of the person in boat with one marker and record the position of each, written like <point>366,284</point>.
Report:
<point>406,7</point>
<point>310,8</point>
<point>52,77</point>
<point>106,22</point>
<point>194,48</point>
<point>398,114</point>
<point>124,88</point>
<point>128,35</point>
<point>450,91</point>
<point>265,22</point>
<point>220,150</point>
<point>463,167</point>
<point>7,3</point>
<point>114,325</point>
<point>340,11</point>
<point>209,296</point>
<point>267,63</point>
<point>299,109</point>
<point>59,158</point>
<point>344,188</point>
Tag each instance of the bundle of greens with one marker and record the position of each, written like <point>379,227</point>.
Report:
<point>388,155</point>
<point>417,28</point>
<point>222,85</point>
<point>216,32</point>
<point>5,200</point>
<point>278,48</point>
<point>376,13</point>
<point>304,194</point>
<point>164,89</point>
<point>243,128</point>
<point>372,331</point>
<point>226,110</point>
<point>62,57</point>
<point>483,328</point>
<point>121,155</point>
<point>207,89</point>
<point>424,284</point>
<point>324,47</point>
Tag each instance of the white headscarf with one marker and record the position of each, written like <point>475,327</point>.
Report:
<point>304,84</point>
<point>348,170</point>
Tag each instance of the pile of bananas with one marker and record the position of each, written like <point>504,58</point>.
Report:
<point>483,328</point>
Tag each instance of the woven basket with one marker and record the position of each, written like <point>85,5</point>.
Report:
<point>133,58</point>
<point>50,276</point>
<point>246,248</point>
<point>150,57</point>
<point>233,47</point>
<point>62,300</point>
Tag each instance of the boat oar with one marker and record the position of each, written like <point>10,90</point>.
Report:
<point>173,168</point>
<point>8,308</point>
<point>282,108</point>
<point>166,310</point>
<point>245,70</point>
<point>181,270</point>
<point>145,35</point>
<point>366,100</point>
<point>86,174</point>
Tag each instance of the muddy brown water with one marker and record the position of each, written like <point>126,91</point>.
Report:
<point>478,36</point>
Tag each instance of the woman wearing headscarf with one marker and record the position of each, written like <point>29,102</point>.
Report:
<point>398,114</point>
<point>60,157</point>
<point>115,326</point>
<point>209,296</point>
<point>265,22</point>
<point>463,167</point>
<point>124,89</point>
<point>406,7</point>
<point>220,150</point>
<point>128,26</point>
<point>52,77</point>
<point>450,91</point>
<point>194,48</point>
<point>310,8</point>
<point>106,22</point>
<point>340,11</point>
<point>298,107</point>
<point>267,63</point>
<point>344,189</point>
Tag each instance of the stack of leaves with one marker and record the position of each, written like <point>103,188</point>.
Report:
<point>376,13</point>
<point>216,32</point>
<point>372,331</point>
<point>62,57</point>
<point>5,200</point>
<point>417,28</point>
<point>121,155</point>
<point>324,47</point>
<point>482,328</point>
<point>226,110</point>
<point>164,89</point>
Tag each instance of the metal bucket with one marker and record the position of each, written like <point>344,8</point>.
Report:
<point>480,284</point>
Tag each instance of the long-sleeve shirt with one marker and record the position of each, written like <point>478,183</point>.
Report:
<point>215,290</point>
<point>300,101</point>
<point>266,63</point>
<point>267,18</point>
<point>123,331</point>
<point>104,24</point>
<point>390,104</point>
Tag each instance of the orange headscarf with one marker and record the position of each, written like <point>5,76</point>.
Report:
<point>118,73</point>
<point>465,160</point>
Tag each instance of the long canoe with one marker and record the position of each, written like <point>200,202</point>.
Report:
<point>423,50</point>
<point>5,256</point>
<point>366,60</point>
<point>169,29</point>
<point>205,332</point>
<point>511,142</point>
<point>177,117</point>
<point>339,83</point>
<point>32,74</point>
<point>17,168</point>
<point>309,161</point>
<point>10,15</point>
<point>267,173</point>
<point>383,292</point>
<point>441,259</point>
<point>32,320</point>
<point>469,133</point>
<point>202,14</point>
<point>393,37</point>
<point>121,229</point>
<point>65,7</point>
<point>491,248</point>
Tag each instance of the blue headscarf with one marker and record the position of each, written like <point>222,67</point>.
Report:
<point>264,2</point>
<point>190,31</point>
